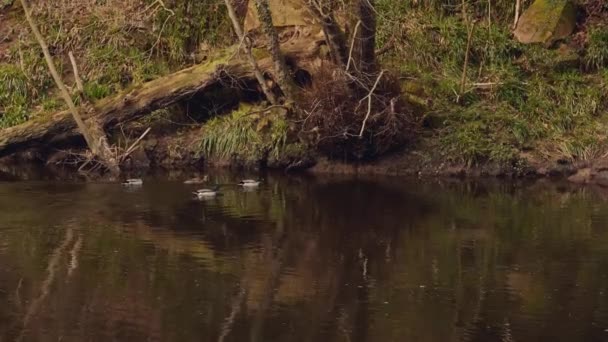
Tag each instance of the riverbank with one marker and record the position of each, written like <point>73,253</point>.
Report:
<point>477,102</point>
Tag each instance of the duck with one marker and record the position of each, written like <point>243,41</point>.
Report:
<point>249,183</point>
<point>207,193</point>
<point>197,180</point>
<point>133,181</point>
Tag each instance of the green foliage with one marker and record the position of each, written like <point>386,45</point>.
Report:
<point>246,134</point>
<point>96,91</point>
<point>113,69</point>
<point>116,43</point>
<point>596,54</point>
<point>51,104</point>
<point>190,24</point>
<point>516,97</point>
<point>479,133</point>
<point>14,95</point>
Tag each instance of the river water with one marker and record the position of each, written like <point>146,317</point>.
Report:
<point>303,259</point>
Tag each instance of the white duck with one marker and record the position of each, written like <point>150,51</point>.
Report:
<point>207,193</point>
<point>133,182</point>
<point>249,183</point>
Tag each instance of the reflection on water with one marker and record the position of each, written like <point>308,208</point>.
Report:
<point>303,260</point>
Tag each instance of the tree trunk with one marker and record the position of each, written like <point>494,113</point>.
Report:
<point>246,47</point>
<point>280,67</point>
<point>365,37</point>
<point>334,36</point>
<point>94,137</point>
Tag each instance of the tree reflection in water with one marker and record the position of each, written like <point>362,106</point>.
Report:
<point>301,259</point>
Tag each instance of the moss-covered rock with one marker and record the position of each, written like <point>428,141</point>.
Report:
<point>546,21</point>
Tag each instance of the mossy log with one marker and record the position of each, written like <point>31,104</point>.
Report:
<point>142,99</point>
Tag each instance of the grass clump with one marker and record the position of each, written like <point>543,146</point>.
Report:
<point>247,135</point>
<point>14,96</point>
<point>596,54</point>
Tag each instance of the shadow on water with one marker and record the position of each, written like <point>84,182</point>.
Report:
<point>303,259</point>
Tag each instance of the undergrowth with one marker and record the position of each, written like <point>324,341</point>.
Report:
<point>116,43</point>
<point>517,98</point>
<point>14,96</point>
<point>248,135</point>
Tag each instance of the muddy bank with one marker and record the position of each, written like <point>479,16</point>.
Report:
<point>420,164</point>
<point>178,156</point>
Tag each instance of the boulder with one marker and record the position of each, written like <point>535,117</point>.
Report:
<point>285,13</point>
<point>546,21</point>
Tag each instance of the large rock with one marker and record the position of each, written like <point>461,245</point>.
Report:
<point>546,21</point>
<point>285,13</point>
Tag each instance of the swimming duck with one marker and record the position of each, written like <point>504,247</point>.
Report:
<point>133,181</point>
<point>197,180</point>
<point>207,193</point>
<point>249,183</point>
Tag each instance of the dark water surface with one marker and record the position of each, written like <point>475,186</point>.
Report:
<point>303,259</point>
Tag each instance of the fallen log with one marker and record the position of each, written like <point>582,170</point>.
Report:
<point>142,99</point>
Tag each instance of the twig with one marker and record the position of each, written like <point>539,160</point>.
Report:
<point>162,4</point>
<point>463,80</point>
<point>77,78</point>
<point>369,102</point>
<point>134,145</point>
<point>160,34</point>
<point>352,45</point>
<point>387,47</point>
<point>517,9</point>
<point>265,110</point>
<point>84,165</point>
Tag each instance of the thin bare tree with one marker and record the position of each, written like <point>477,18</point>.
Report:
<point>94,136</point>
<point>246,47</point>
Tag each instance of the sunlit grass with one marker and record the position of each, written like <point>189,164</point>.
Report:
<point>247,134</point>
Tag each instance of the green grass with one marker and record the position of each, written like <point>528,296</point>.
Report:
<point>14,96</point>
<point>596,53</point>
<point>534,98</point>
<point>247,134</point>
<point>115,43</point>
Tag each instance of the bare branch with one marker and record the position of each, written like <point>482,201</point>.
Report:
<point>466,58</point>
<point>369,102</point>
<point>352,45</point>
<point>246,46</point>
<point>517,10</point>
<point>134,145</point>
<point>77,78</point>
<point>62,88</point>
